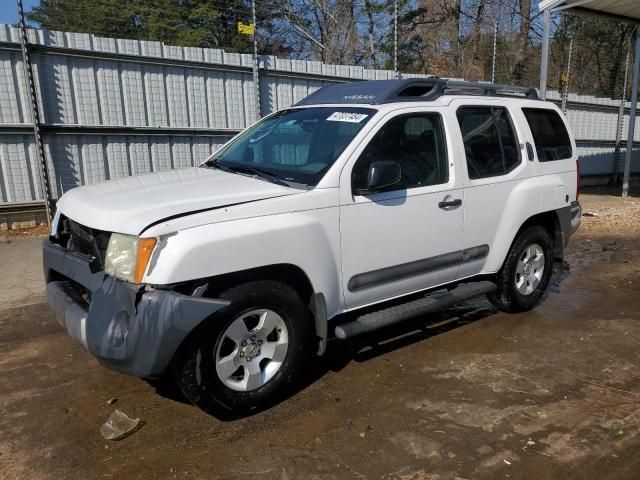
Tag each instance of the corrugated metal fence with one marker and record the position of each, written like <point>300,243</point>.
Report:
<point>113,107</point>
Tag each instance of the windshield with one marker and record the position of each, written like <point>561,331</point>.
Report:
<point>294,146</point>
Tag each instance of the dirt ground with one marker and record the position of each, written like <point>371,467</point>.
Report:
<point>467,393</point>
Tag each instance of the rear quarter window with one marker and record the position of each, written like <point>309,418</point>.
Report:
<point>549,134</point>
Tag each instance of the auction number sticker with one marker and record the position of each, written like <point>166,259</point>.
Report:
<point>347,117</point>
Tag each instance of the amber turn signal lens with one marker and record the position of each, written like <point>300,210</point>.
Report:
<point>144,249</point>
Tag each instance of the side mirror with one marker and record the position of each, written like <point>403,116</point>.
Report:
<point>382,174</point>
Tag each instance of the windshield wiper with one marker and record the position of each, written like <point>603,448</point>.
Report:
<point>247,169</point>
<point>269,177</point>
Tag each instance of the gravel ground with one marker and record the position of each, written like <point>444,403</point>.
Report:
<point>611,215</point>
<point>467,393</point>
<point>21,281</point>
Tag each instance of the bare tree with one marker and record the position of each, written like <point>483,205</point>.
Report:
<point>522,41</point>
<point>327,27</point>
<point>451,38</point>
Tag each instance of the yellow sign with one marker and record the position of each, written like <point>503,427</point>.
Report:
<point>246,28</point>
<point>565,78</point>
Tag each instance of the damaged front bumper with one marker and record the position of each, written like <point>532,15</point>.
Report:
<point>129,328</point>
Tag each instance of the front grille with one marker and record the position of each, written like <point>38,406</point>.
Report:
<point>81,238</point>
<point>86,241</point>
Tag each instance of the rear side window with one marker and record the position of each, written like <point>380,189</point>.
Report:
<point>490,142</point>
<point>549,134</point>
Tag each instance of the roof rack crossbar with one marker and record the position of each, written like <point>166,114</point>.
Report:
<point>410,90</point>
<point>493,89</point>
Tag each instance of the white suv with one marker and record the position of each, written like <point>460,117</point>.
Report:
<point>230,274</point>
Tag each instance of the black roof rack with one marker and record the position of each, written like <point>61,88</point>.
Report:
<point>375,92</point>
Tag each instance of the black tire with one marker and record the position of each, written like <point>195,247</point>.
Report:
<point>507,297</point>
<point>194,366</point>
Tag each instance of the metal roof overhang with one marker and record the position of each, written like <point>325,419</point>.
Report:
<point>616,10</point>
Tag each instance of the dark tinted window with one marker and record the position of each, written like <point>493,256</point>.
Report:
<point>549,134</point>
<point>490,143</point>
<point>416,142</point>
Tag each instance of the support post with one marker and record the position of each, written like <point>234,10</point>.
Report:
<point>544,61</point>
<point>256,66</point>
<point>632,114</point>
<point>35,115</point>
<point>620,123</point>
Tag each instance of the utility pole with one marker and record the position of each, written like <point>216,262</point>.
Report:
<point>256,65</point>
<point>623,100</point>
<point>395,39</point>
<point>565,88</point>
<point>544,61</point>
<point>495,45</point>
<point>35,114</point>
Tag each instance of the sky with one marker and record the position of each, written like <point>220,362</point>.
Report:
<point>9,10</point>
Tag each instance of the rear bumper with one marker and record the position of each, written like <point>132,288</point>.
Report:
<point>569,219</point>
<point>129,328</point>
<point>576,216</point>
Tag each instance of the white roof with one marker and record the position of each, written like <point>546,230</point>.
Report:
<point>624,9</point>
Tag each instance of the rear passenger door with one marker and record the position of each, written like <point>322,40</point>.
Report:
<point>495,163</point>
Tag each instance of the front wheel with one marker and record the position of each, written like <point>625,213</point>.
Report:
<point>246,355</point>
<point>525,274</point>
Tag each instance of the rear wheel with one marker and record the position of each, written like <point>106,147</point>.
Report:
<point>525,274</point>
<point>248,354</point>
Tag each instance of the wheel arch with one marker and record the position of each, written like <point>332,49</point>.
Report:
<point>550,221</point>
<point>507,297</point>
<point>292,275</point>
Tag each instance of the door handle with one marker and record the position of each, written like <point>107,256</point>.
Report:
<point>530,152</point>
<point>446,205</point>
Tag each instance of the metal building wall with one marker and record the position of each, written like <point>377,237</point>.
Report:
<point>113,107</point>
<point>594,121</point>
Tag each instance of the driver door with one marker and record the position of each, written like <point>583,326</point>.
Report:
<point>407,237</point>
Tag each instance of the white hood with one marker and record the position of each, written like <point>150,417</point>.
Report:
<point>131,204</point>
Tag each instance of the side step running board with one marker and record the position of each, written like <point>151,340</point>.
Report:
<point>398,313</point>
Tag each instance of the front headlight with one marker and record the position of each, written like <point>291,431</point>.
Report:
<point>128,256</point>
